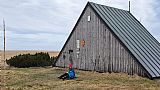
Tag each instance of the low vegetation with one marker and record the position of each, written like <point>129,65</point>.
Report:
<point>46,79</point>
<point>31,60</point>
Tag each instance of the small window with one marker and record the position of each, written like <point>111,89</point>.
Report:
<point>89,18</point>
<point>70,51</point>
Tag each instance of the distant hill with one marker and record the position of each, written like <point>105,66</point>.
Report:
<point>11,53</point>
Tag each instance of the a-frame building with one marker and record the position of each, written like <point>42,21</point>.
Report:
<point>108,39</point>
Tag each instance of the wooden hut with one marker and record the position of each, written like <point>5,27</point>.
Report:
<point>108,39</point>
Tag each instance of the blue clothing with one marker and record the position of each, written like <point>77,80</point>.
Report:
<point>71,73</point>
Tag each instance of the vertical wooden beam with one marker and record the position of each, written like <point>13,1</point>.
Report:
<point>4,53</point>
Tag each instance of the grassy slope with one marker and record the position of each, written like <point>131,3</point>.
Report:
<point>46,79</point>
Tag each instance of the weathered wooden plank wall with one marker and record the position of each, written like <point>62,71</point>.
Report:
<point>102,50</point>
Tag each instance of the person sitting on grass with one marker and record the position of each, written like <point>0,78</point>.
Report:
<point>68,75</point>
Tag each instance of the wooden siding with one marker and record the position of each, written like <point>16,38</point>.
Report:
<point>102,50</point>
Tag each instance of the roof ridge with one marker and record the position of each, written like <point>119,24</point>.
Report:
<point>108,6</point>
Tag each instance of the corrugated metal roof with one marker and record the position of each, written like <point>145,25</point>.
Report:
<point>133,35</point>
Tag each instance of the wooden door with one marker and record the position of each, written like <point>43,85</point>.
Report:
<point>71,56</point>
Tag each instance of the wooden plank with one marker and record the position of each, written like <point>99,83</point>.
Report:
<point>115,50</point>
<point>132,66</point>
<point>81,49</point>
<point>128,59</point>
<point>94,41</point>
<point>102,48</point>
<point>113,53</point>
<point>79,58</point>
<point>136,68</point>
<point>99,27</point>
<point>88,42</point>
<point>96,36</point>
<point>111,60</point>
<point>82,37</point>
<point>92,31</point>
<point>119,57</point>
<point>109,55</point>
<point>85,38</point>
<point>107,51</point>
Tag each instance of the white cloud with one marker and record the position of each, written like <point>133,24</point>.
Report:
<point>46,24</point>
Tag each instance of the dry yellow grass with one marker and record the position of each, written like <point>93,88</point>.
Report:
<point>46,79</point>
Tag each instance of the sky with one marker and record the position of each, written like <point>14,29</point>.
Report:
<point>46,24</point>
